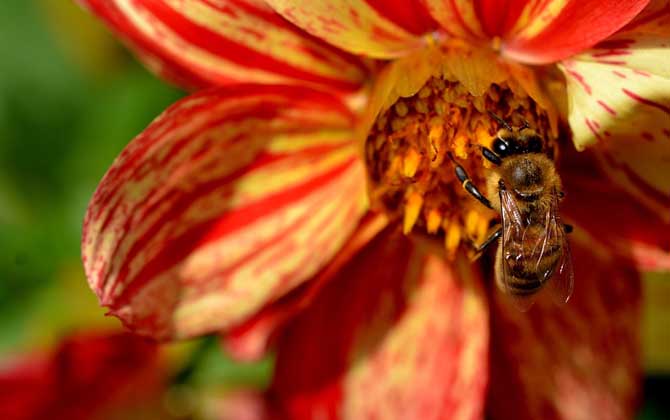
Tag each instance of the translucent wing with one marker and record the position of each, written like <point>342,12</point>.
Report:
<point>561,279</point>
<point>512,247</point>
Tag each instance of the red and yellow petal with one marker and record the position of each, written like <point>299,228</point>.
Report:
<point>200,43</point>
<point>619,103</point>
<point>536,31</point>
<point>608,213</point>
<point>548,31</point>
<point>227,201</point>
<point>569,362</point>
<point>366,27</point>
<point>397,334</point>
<point>251,340</point>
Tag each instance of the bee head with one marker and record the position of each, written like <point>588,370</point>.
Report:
<point>509,143</point>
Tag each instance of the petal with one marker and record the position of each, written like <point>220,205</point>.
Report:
<point>654,19</point>
<point>227,201</point>
<point>572,361</point>
<point>397,334</point>
<point>88,376</point>
<point>624,110</point>
<point>250,340</point>
<point>360,26</point>
<point>548,31</point>
<point>197,43</point>
<point>459,18</point>
<point>632,231</point>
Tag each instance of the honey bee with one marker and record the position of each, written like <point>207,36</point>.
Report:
<point>525,188</point>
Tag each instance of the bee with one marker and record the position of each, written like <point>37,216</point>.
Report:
<point>525,189</point>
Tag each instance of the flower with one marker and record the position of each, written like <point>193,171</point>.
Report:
<point>91,375</point>
<point>245,208</point>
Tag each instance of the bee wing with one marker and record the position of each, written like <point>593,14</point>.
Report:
<point>562,280</point>
<point>512,244</point>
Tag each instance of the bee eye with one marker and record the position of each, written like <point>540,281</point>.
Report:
<point>534,145</point>
<point>500,148</point>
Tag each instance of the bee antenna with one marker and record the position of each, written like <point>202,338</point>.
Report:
<point>500,121</point>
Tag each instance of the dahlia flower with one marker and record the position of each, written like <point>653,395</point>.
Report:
<point>305,197</point>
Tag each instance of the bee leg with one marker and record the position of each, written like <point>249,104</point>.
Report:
<point>468,185</point>
<point>491,239</point>
<point>567,228</point>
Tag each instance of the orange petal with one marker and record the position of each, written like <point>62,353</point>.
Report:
<point>197,43</point>
<point>227,201</point>
<point>608,213</point>
<point>363,27</point>
<point>548,31</point>
<point>619,101</point>
<point>397,334</point>
<point>572,361</point>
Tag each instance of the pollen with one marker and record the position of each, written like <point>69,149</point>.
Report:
<point>410,148</point>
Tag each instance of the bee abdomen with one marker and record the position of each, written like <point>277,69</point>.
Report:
<point>524,286</point>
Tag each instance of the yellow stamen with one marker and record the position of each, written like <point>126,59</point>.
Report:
<point>452,237</point>
<point>401,109</point>
<point>433,221</point>
<point>412,210</point>
<point>411,163</point>
<point>460,145</point>
<point>436,150</point>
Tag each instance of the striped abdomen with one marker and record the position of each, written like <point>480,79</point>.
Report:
<point>525,266</point>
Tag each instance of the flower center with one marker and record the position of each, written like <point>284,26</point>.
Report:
<point>410,148</point>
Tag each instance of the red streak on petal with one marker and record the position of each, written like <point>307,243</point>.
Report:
<point>606,107</point>
<point>612,53</point>
<point>642,73</point>
<point>647,136</point>
<point>580,79</point>
<point>615,44</point>
<point>666,132</point>
<point>646,101</point>
<point>617,73</point>
<point>591,125</point>
<point>612,62</point>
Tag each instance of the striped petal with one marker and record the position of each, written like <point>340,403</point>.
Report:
<point>548,31</point>
<point>374,28</point>
<point>397,334</point>
<point>200,43</point>
<point>251,340</point>
<point>631,231</point>
<point>572,361</point>
<point>619,101</point>
<point>536,31</point>
<point>227,201</point>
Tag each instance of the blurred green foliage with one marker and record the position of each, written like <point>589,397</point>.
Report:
<point>61,125</point>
